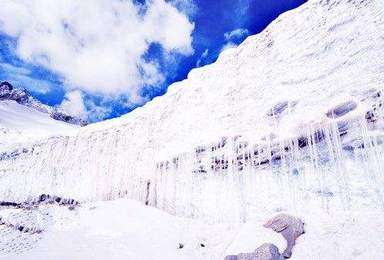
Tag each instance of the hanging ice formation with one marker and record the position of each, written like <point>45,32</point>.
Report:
<point>291,119</point>
<point>327,164</point>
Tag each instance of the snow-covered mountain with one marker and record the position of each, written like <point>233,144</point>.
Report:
<point>291,120</point>
<point>24,119</point>
<point>22,124</point>
<point>22,97</point>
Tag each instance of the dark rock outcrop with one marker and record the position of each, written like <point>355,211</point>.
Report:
<point>21,96</point>
<point>5,90</point>
<point>41,200</point>
<point>60,116</point>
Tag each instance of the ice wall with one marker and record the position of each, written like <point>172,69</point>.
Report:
<point>335,165</point>
<point>298,107</point>
<point>330,165</point>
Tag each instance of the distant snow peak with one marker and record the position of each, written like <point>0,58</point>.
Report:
<point>23,97</point>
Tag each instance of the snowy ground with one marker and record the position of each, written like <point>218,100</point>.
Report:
<point>121,229</point>
<point>125,229</point>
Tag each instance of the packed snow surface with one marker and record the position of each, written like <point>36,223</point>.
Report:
<point>125,229</point>
<point>291,121</point>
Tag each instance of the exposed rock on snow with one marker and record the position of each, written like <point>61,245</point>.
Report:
<point>41,200</point>
<point>289,227</point>
<point>20,228</point>
<point>5,90</point>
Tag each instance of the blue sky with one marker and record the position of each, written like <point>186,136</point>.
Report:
<point>124,53</point>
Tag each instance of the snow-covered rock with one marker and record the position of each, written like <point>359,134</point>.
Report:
<point>289,227</point>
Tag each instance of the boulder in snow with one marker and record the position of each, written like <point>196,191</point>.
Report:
<point>266,251</point>
<point>290,228</point>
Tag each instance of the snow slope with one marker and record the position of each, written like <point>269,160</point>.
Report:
<point>22,124</point>
<point>289,121</point>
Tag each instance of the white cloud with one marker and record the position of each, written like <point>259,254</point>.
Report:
<point>73,104</point>
<point>232,36</point>
<point>11,69</point>
<point>97,46</point>
<point>24,78</point>
<point>228,45</point>
<point>186,6</point>
<point>236,34</point>
<point>202,57</point>
<point>96,113</point>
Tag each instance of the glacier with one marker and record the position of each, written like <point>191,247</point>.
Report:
<point>290,120</point>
